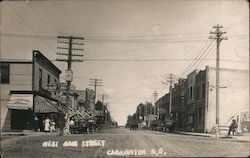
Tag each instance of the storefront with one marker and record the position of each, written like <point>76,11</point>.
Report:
<point>21,106</point>
<point>24,107</point>
<point>46,108</point>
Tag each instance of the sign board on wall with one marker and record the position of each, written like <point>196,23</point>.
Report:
<point>21,101</point>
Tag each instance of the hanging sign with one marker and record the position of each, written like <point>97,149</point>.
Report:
<point>69,75</point>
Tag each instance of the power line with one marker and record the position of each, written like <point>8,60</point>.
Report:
<point>194,56</point>
<point>145,60</point>
<point>96,40</point>
<point>141,60</point>
<point>11,18</point>
<point>209,52</point>
<point>91,39</point>
<point>198,57</point>
<point>26,23</point>
<point>41,19</point>
<point>202,57</point>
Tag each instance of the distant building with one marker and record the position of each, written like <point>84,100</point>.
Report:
<point>200,97</point>
<point>162,107</point>
<point>191,100</point>
<point>182,115</point>
<point>194,100</point>
<point>149,111</point>
<point>23,93</point>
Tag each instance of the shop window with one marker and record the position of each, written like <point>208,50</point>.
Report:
<point>5,74</point>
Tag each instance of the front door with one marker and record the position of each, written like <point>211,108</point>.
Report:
<point>21,119</point>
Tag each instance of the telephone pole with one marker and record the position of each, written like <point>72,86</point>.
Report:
<point>70,41</point>
<point>217,36</point>
<point>170,81</point>
<point>95,82</point>
<point>155,95</point>
<point>170,93</point>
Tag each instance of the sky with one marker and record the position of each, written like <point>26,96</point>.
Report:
<point>131,45</point>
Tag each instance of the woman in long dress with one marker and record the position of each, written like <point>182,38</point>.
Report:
<point>47,125</point>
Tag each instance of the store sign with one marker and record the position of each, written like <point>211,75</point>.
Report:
<point>69,75</point>
<point>20,101</point>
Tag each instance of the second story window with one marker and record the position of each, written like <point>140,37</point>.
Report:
<point>5,74</point>
<point>48,79</point>
<point>191,93</point>
<point>40,78</point>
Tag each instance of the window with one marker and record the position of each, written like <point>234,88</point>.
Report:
<point>48,79</point>
<point>198,92</point>
<point>5,74</point>
<point>203,90</point>
<point>191,93</point>
<point>55,80</point>
<point>40,78</point>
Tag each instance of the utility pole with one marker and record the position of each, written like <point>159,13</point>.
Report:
<point>69,73</point>
<point>155,95</point>
<point>217,36</point>
<point>170,81</point>
<point>170,93</point>
<point>95,82</point>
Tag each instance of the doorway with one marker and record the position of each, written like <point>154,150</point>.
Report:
<point>21,119</point>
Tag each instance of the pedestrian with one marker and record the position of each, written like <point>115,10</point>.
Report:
<point>36,122</point>
<point>71,126</point>
<point>52,126</point>
<point>233,127</point>
<point>47,125</point>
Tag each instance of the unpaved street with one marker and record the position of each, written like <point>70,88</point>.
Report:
<point>122,142</point>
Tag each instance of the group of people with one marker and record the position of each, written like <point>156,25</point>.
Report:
<point>48,125</point>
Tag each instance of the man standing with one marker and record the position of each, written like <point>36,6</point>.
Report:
<point>233,127</point>
<point>36,122</point>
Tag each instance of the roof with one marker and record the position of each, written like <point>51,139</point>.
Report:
<point>16,61</point>
<point>41,58</point>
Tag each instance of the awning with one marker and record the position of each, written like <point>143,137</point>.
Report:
<point>43,105</point>
<point>21,101</point>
